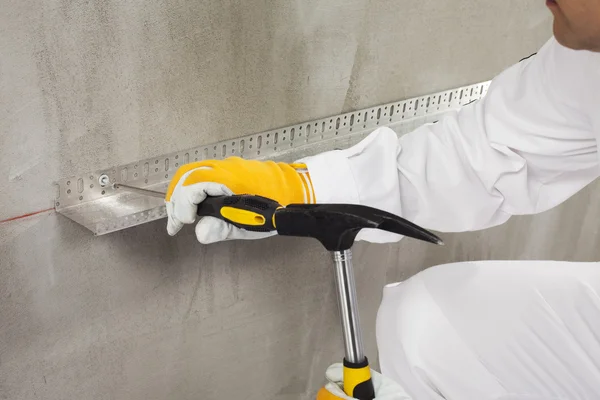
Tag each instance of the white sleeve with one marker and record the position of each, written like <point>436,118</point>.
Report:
<point>530,144</point>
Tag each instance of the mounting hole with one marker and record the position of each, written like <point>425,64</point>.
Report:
<point>68,182</point>
<point>92,186</point>
<point>69,191</point>
<point>57,204</point>
<point>103,192</point>
<point>80,197</point>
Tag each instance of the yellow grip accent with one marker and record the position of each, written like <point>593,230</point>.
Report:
<point>353,377</point>
<point>242,217</point>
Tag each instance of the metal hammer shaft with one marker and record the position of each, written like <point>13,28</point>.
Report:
<point>346,290</point>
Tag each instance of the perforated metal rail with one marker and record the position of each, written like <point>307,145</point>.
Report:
<point>104,210</point>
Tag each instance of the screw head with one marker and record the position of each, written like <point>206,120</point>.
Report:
<point>103,180</point>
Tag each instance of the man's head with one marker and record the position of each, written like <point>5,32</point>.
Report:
<point>576,23</point>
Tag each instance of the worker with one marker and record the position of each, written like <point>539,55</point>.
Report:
<point>478,330</point>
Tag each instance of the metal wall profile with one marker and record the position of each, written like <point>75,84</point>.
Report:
<point>102,209</point>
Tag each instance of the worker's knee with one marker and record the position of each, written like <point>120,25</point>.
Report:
<point>471,325</point>
<point>421,340</point>
<point>411,308</point>
<point>408,316</point>
<point>410,328</point>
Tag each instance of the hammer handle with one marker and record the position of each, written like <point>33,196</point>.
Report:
<point>252,213</point>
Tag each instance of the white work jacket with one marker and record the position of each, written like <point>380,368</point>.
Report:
<point>527,146</point>
<point>488,330</point>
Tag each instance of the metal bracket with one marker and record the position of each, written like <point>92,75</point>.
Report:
<point>102,209</point>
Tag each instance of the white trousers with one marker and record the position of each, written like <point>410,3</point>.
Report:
<point>494,330</point>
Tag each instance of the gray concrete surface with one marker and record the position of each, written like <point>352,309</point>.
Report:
<point>138,315</point>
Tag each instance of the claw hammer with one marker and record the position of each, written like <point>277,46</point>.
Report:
<point>336,227</point>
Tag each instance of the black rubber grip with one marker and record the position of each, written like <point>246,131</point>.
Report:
<point>364,391</point>
<point>213,206</point>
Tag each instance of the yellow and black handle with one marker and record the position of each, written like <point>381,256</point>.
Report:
<point>252,213</point>
<point>357,380</point>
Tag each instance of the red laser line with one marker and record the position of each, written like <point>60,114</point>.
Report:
<point>26,215</point>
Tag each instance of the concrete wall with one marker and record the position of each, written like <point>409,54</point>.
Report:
<point>138,315</point>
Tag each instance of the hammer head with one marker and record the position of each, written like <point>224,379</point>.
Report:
<point>336,225</point>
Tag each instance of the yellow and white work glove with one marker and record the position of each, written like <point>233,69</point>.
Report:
<point>192,183</point>
<point>385,389</point>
